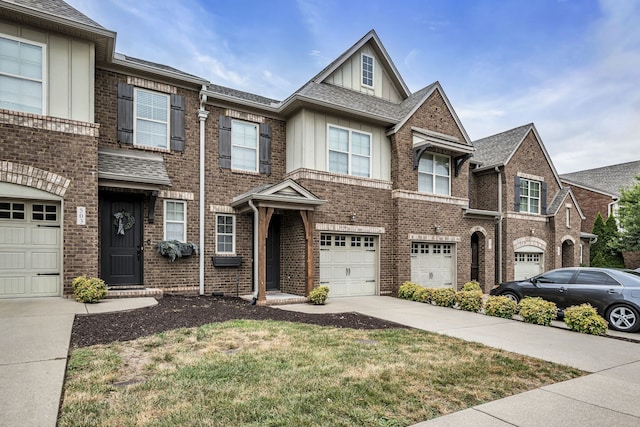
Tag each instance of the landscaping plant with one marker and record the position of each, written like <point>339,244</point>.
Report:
<point>469,300</point>
<point>407,289</point>
<point>500,306</point>
<point>472,286</point>
<point>89,290</point>
<point>319,295</point>
<point>444,297</point>
<point>423,294</point>
<point>585,319</point>
<point>537,311</point>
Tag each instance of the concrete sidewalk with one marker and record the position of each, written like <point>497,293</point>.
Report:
<point>34,343</point>
<point>609,396</point>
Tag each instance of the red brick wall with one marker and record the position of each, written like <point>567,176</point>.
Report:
<point>591,203</point>
<point>72,156</point>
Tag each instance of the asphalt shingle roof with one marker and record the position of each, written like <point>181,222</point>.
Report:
<point>555,204</point>
<point>242,95</point>
<point>59,9</point>
<point>497,149</point>
<point>609,179</point>
<point>132,166</point>
<point>160,67</point>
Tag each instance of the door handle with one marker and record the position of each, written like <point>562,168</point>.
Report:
<point>139,251</point>
<point>611,291</point>
<point>561,290</point>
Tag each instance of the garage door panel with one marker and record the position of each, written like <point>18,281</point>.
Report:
<point>30,249</point>
<point>432,265</point>
<point>12,236</point>
<point>12,285</point>
<point>348,265</point>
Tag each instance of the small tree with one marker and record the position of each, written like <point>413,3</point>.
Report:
<point>629,215</point>
<point>597,258</point>
<point>605,252</point>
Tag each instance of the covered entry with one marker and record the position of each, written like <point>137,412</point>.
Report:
<point>268,203</point>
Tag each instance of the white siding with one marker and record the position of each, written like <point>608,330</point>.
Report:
<point>70,72</point>
<point>307,143</point>
<point>349,75</point>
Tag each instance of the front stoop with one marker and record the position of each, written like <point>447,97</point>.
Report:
<point>114,292</point>
<point>278,298</point>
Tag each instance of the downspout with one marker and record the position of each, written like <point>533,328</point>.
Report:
<point>499,239</point>
<point>202,117</point>
<point>256,227</point>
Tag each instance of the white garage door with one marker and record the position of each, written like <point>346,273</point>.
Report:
<point>348,264</point>
<point>432,264</point>
<point>29,248</point>
<point>526,265</point>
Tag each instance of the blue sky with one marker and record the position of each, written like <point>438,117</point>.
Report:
<point>569,66</point>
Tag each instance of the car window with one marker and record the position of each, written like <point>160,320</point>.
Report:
<point>556,276</point>
<point>595,278</point>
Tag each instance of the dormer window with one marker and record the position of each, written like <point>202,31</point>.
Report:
<point>367,70</point>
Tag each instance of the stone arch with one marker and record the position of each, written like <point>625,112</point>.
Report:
<point>478,229</point>
<point>568,237</point>
<point>30,176</point>
<point>529,241</point>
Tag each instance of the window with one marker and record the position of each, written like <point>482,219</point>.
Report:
<point>568,217</point>
<point>434,174</point>
<point>595,278</point>
<point>175,220</point>
<point>349,152</point>
<point>244,146</point>
<point>21,75</point>
<point>9,210</point>
<point>225,234</point>
<point>529,196</point>
<point>557,276</point>
<point>42,212</point>
<point>151,119</point>
<point>367,70</point>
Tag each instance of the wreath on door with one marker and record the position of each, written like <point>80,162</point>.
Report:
<point>123,221</point>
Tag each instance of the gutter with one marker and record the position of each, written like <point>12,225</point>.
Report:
<point>499,239</point>
<point>202,117</point>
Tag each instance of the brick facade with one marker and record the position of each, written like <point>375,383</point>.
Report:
<point>591,203</point>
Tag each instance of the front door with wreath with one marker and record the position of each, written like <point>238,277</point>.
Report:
<point>121,247</point>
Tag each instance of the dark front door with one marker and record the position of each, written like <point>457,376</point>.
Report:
<point>121,239</point>
<point>475,258</point>
<point>273,255</point>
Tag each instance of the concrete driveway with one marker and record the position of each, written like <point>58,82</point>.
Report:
<point>34,343</point>
<point>609,396</point>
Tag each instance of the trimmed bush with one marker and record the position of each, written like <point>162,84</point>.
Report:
<point>472,286</point>
<point>537,311</point>
<point>444,297</point>
<point>585,319</point>
<point>89,290</point>
<point>500,306</point>
<point>423,295</point>
<point>407,289</point>
<point>319,295</point>
<point>469,300</point>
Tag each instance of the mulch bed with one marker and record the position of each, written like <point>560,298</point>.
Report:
<point>174,312</point>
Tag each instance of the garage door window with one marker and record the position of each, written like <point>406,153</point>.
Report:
<point>10,210</point>
<point>524,257</point>
<point>43,212</point>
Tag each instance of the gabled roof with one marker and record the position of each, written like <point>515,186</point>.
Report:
<point>286,194</point>
<point>155,68</point>
<point>377,46</point>
<point>497,150</point>
<point>131,169</point>
<point>559,199</point>
<point>607,179</point>
<point>58,16</point>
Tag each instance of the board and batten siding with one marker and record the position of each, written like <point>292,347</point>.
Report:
<point>307,143</point>
<point>70,72</point>
<point>349,75</point>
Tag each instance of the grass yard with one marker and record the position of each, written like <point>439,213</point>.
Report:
<point>270,373</point>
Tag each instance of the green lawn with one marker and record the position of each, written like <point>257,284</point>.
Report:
<point>268,373</point>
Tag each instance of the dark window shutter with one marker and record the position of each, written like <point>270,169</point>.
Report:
<point>543,198</point>
<point>516,192</point>
<point>224,142</point>
<point>265,149</point>
<point>177,123</point>
<point>125,113</point>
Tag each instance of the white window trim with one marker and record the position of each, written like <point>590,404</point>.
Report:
<point>233,234</point>
<point>45,75</point>
<point>529,198</point>
<point>257,163</point>
<point>135,117</point>
<point>434,174</point>
<point>349,153</point>
<point>373,71</point>
<point>568,210</point>
<point>184,222</point>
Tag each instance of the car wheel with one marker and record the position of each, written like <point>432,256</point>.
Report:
<point>623,318</point>
<point>513,297</point>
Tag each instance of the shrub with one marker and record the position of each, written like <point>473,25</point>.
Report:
<point>469,300</point>
<point>500,306</point>
<point>423,295</point>
<point>537,311</point>
<point>88,289</point>
<point>444,297</point>
<point>319,295</point>
<point>407,289</point>
<point>472,286</point>
<point>584,319</point>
